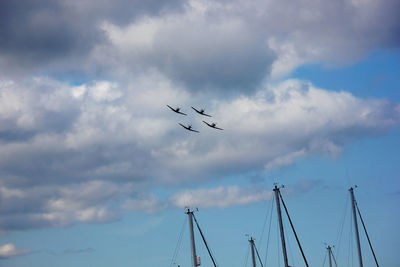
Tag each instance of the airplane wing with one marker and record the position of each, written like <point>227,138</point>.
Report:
<point>201,112</point>
<point>183,126</point>
<point>198,111</point>
<point>174,110</point>
<point>207,123</point>
<point>215,127</point>
<point>187,128</point>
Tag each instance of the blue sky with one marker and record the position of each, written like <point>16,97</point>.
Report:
<point>96,171</point>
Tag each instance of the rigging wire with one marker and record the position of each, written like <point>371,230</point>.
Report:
<point>247,256</point>
<point>323,263</point>
<point>258,255</point>
<point>340,232</point>
<point>179,243</point>
<point>269,231</point>
<point>365,229</point>
<point>334,258</point>
<point>277,239</point>
<point>290,250</point>
<point>350,250</point>
<point>291,224</point>
<point>263,228</point>
<point>353,232</point>
<point>205,242</point>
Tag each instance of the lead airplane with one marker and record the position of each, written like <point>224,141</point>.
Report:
<point>177,110</point>
<point>212,125</point>
<point>189,128</point>
<point>201,112</point>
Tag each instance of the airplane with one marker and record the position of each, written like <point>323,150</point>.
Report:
<point>213,125</point>
<point>177,110</point>
<point>201,112</point>
<point>189,128</point>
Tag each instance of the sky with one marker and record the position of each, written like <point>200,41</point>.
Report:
<point>95,169</point>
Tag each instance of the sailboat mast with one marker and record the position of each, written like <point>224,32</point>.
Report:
<point>356,225</point>
<point>330,255</point>
<point>190,217</point>
<point>278,208</point>
<point>253,256</point>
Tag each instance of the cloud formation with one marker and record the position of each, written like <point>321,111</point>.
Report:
<point>220,197</point>
<point>84,130</point>
<point>8,251</point>
<point>221,45</point>
<point>236,45</point>
<point>109,144</point>
<point>226,196</point>
<point>59,205</point>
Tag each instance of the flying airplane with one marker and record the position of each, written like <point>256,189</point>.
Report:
<point>177,110</point>
<point>201,112</point>
<point>189,128</point>
<point>213,125</point>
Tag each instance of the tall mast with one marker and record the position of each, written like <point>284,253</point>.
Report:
<point>278,208</point>
<point>253,256</point>
<point>330,255</point>
<point>190,216</point>
<point>353,204</point>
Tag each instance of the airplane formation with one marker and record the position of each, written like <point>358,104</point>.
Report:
<point>199,111</point>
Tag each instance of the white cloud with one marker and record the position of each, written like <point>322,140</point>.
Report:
<point>104,91</point>
<point>82,153</point>
<point>62,205</point>
<point>108,151</point>
<point>284,160</point>
<point>10,251</point>
<point>236,45</point>
<point>147,203</point>
<point>199,48</point>
<point>220,197</point>
<point>226,196</point>
<point>113,137</point>
<point>285,121</point>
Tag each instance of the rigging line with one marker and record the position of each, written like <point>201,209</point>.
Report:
<point>351,249</point>
<point>277,239</point>
<point>269,230</point>
<point>291,224</point>
<point>365,229</point>
<point>340,232</point>
<point>263,229</point>
<point>179,243</point>
<point>258,255</point>
<point>247,256</point>
<point>323,263</point>
<point>204,240</point>
<point>333,258</point>
<point>290,251</point>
